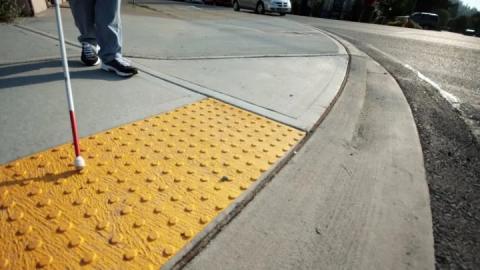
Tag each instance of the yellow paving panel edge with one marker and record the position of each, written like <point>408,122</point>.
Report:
<point>148,189</point>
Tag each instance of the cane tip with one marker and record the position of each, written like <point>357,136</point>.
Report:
<point>79,163</point>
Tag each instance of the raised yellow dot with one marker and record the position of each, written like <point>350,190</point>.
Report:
<point>64,226</point>
<point>116,239</point>
<point>175,198</point>
<point>75,241</point>
<point>172,221</point>
<point>121,180</point>
<point>68,190</point>
<point>145,198</point>
<point>90,212</point>
<point>139,223</point>
<point>103,225</point>
<point>79,201</point>
<point>15,215</point>
<point>168,251</point>
<point>35,191</point>
<point>20,173</point>
<point>44,261</point>
<point>4,263</point>
<point>162,187</point>
<point>130,254</point>
<point>34,244</point>
<point>187,233</point>
<point>152,236</point>
<point>113,200</point>
<point>89,258</point>
<point>158,209</point>
<point>203,220</point>
<point>150,179</point>
<point>7,203</point>
<point>126,210</point>
<point>4,193</point>
<point>92,180</point>
<point>24,229</point>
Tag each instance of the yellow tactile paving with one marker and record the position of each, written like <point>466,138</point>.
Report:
<point>148,188</point>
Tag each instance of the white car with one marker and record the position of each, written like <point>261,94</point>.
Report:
<point>282,7</point>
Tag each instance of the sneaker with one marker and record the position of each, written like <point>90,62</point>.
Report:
<point>121,66</point>
<point>89,54</point>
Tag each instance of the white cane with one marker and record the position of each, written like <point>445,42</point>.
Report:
<point>79,161</point>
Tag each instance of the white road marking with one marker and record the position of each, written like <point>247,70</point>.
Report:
<point>452,99</point>
<point>449,97</point>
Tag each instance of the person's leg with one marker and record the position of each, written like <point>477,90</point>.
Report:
<point>84,14</point>
<point>108,29</point>
<point>109,36</point>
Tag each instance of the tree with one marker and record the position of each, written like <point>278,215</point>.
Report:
<point>392,8</point>
<point>444,17</point>
<point>304,8</point>
<point>458,24</point>
<point>431,5</point>
<point>475,21</point>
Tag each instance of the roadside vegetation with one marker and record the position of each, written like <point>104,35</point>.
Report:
<point>453,15</point>
<point>9,10</point>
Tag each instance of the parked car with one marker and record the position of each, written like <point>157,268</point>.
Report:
<point>282,7</point>
<point>469,32</point>
<point>425,20</point>
<point>226,3</point>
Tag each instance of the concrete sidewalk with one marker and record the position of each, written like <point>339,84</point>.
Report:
<point>274,68</point>
<point>249,65</point>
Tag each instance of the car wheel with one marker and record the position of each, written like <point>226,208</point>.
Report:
<point>260,8</point>
<point>236,6</point>
<point>282,14</point>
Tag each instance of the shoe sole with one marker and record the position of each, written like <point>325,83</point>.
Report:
<point>94,64</point>
<point>118,72</point>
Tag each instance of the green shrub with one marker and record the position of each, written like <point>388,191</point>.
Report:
<point>412,24</point>
<point>9,10</point>
<point>444,17</point>
<point>396,23</point>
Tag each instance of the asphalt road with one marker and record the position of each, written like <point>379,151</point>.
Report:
<point>450,60</point>
<point>449,132</point>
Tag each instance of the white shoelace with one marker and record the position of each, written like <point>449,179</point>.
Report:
<point>123,61</point>
<point>88,50</point>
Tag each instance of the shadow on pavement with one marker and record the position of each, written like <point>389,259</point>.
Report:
<point>47,71</point>
<point>47,178</point>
